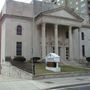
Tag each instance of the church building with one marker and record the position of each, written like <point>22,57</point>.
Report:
<point>59,30</point>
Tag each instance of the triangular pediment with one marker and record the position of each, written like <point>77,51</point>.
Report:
<point>64,13</point>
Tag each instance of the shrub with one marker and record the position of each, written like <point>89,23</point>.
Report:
<point>8,58</point>
<point>19,58</point>
<point>35,59</point>
<point>88,59</point>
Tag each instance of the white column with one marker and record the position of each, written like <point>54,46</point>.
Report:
<point>56,38</point>
<point>79,43</point>
<point>70,44</point>
<point>43,41</point>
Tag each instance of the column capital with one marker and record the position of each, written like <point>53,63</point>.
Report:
<point>43,24</point>
<point>56,25</point>
<point>70,27</point>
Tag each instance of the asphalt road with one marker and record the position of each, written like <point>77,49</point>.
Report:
<point>82,87</point>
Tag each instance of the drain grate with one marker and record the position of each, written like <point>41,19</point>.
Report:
<point>49,82</point>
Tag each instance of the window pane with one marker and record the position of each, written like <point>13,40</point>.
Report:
<point>83,50</point>
<point>67,35</point>
<point>82,35</point>
<point>19,30</point>
<point>19,48</point>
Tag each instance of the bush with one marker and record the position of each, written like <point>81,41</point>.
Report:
<point>88,59</point>
<point>35,59</point>
<point>8,58</point>
<point>19,58</point>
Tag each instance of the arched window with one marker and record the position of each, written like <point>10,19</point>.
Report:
<point>82,35</point>
<point>19,30</point>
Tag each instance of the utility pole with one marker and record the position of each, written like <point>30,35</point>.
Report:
<point>33,64</point>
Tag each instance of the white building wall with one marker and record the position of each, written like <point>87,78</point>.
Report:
<point>85,42</point>
<point>12,7</point>
<point>76,45</point>
<point>19,8</point>
<point>3,36</point>
<point>36,41</point>
<point>12,37</point>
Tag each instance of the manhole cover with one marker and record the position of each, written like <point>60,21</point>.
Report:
<point>49,82</point>
<point>80,79</point>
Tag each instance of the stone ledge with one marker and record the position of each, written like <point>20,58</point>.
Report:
<point>60,75</point>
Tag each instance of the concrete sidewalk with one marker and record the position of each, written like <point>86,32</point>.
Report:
<point>66,82</point>
<point>7,83</point>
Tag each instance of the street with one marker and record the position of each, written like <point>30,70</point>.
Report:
<point>68,83</point>
<point>82,87</point>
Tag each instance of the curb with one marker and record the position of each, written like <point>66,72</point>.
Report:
<point>66,86</point>
<point>62,75</point>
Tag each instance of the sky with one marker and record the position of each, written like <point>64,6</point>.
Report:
<point>2,2</point>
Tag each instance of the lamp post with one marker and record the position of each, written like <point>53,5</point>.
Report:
<point>33,64</point>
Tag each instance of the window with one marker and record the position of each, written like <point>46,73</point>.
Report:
<point>67,53</point>
<point>88,2</point>
<point>19,48</point>
<point>82,35</point>
<point>53,49</point>
<point>77,8</point>
<point>82,0</point>
<point>19,30</point>
<point>83,50</point>
<point>59,48</point>
<point>67,35</point>
<point>76,3</point>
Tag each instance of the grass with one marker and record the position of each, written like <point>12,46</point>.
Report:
<point>40,69</point>
<point>73,69</point>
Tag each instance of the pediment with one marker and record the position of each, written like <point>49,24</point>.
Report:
<point>64,13</point>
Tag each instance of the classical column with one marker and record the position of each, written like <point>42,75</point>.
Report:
<point>56,38</point>
<point>79,43</point>
<point>43,41</point>
<point>70,44</point>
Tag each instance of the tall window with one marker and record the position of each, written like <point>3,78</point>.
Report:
<point>53,49</point>
<point>82,35</point>
<point>67,53</point>
<point>19,30</point>
<point>19,48</point>
<point>83,50</point>
<point>67,34</point>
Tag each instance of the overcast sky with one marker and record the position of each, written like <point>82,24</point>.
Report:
<point>2,2</point>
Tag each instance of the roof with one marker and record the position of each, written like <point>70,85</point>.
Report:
<point>67,9</point>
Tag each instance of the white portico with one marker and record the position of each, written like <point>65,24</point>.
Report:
<point>57,31</point>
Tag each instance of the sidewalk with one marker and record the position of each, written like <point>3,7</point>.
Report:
<point>8,83</point>
<point>66,82</point>
<point>2,78</point>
